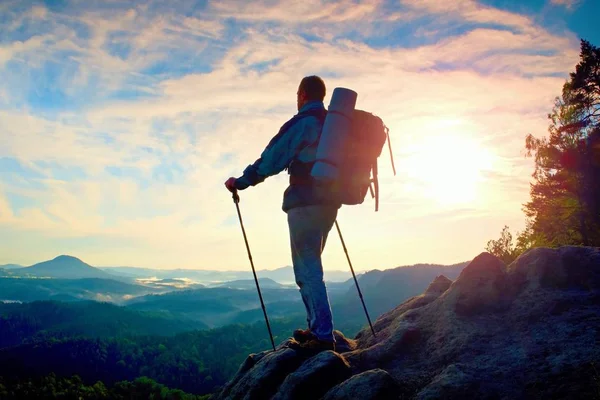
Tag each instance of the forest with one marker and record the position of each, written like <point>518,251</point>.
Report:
<point>196,361</point>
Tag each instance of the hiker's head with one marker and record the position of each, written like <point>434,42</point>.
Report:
<point>311,88</point>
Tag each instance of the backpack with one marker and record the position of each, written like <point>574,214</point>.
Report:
<point>358,172</point>
<point>358,168</point>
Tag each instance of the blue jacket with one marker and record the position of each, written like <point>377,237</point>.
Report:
<point>296,141</point>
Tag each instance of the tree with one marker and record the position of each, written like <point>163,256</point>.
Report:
<point>584,92</point>
<point>503,247</point>
<point>565,197</point>
<point>583,89</point>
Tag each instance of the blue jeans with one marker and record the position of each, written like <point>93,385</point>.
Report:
<point>309,227</point>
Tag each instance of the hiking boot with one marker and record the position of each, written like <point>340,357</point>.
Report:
<point>303,335</point>
<point>313,346</point>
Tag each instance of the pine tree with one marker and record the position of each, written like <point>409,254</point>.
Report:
<point>565,195</point>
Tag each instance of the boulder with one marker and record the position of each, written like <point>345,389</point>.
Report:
<point>261,380</point>
<point>314,377</point>
<point>375,384</point>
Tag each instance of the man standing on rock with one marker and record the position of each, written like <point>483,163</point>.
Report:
<point>311,210</point>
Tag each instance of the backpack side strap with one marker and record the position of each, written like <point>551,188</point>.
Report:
<point>387,132</point>
<point>376,185</point>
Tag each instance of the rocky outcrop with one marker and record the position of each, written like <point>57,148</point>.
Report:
<point>527,330</point>
<point>314,377</point>
<point>374,384</point>
<point>260,375</point>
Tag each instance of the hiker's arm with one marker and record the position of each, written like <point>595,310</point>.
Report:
<point>274,158</point>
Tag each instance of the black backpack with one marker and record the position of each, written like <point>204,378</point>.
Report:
<point>358,174</point>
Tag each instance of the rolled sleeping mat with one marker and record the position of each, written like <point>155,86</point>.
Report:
<point>334,135</point>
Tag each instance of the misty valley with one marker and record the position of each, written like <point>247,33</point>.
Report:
<point>183,330</point>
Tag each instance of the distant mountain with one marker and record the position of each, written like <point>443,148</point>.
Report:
<point>283,275</point>
<point>197,275</point>
<point>281,309</point>
<point>411,280</point>
<point>383,290</point>
<point>213,306</point>
<point>132,272</point>
<point>66,267</point>
<point>265,283</point>
<point>10,266</point>
<point>286,275</point>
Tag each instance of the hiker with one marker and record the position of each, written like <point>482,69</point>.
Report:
<point>311,210</point>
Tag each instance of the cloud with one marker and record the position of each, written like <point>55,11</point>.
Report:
<point>296,12</point>
<point>159,108</point>
<point>103,53</point>
<point>470,11</point>
<point>103,297</point>
<point>6,213</point>
<point>568,4</point>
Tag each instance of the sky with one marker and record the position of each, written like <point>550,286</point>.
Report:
<point>121,120</point>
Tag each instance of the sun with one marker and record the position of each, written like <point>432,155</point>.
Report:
<point>448,167</point>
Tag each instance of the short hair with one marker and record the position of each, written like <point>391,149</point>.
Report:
<point>314,87</point>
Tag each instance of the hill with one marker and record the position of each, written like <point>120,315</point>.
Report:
<point>65,267</point>
<point>213,306</point>
<point>10,266</point>
<point>20,323</point>
<point>265,283</point>
<point>286,275</point>
<point>383,290</point>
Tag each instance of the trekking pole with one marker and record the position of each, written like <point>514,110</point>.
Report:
<point>236,200</point>
<point>354,276</point>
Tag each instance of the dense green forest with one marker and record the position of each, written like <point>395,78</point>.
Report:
<point>196,362</point>
<point>53,387</point>
<point>37,320</point>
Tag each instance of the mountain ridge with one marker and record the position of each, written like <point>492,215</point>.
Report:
<point>266,283</point>
<point>77,268</point>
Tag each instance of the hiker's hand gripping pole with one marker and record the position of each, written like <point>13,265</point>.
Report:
<point>236,200</point>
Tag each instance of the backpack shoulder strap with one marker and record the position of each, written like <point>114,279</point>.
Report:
<point>284,128</point>
<point>300,169</point>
